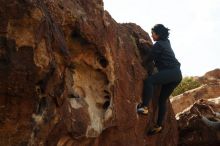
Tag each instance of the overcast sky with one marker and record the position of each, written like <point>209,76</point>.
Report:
<point>194,25</point>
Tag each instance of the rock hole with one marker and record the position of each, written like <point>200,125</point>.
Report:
<point>102,61</point>
<point>105,91</point>
<point>75,35</point>
<point>106,104</point>
<point>42,105</point>
<point>72,96</point>
<point>71,66</point>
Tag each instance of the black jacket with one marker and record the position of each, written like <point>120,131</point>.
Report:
<point>163,55</point>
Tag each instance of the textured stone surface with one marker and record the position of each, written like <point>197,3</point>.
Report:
<point>183,101</point>
<point>197,112</point>
<point>200,124</point>
<point>210,88</point>
<point>212,76</point>
<point>71,75</point>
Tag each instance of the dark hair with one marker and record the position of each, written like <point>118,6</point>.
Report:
<point>162,31</point>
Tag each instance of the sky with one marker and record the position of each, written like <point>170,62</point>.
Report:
<point>194,28</point>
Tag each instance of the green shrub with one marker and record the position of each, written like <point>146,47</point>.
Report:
<point>186,84</point>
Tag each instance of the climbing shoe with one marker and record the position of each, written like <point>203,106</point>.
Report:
<point>141,109</point>
<point>156,129</point>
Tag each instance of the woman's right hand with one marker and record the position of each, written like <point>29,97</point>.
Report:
<point>147,42</point>
<point>142,41</point>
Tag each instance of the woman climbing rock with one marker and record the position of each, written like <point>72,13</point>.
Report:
<point>168,76</point>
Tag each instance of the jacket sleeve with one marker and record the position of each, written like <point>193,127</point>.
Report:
<point>153,52</point>
<point>156,51</point>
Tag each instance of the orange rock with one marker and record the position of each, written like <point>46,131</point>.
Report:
<point>71,75</point>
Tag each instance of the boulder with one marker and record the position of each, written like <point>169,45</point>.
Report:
<point>71,75</point>
<point>188,98</point>
<point>212,76</point>
<point>200,124</point>
<point>210,88</point>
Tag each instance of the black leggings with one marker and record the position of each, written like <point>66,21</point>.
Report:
<point>169,79</point>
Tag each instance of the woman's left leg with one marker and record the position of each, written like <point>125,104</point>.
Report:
<point>165,93</point>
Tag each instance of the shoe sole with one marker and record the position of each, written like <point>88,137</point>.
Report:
<point>140,112</point>
<point>153,133</point>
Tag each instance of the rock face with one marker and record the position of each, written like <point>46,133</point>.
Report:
<point>200,125</point>
<point>211,77</point>
<point>197,112</point>
<point>183,101</point>
<point>71,75</point>
<point>210,89</point>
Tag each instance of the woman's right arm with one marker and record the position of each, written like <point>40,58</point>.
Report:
<point>154,50</point>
